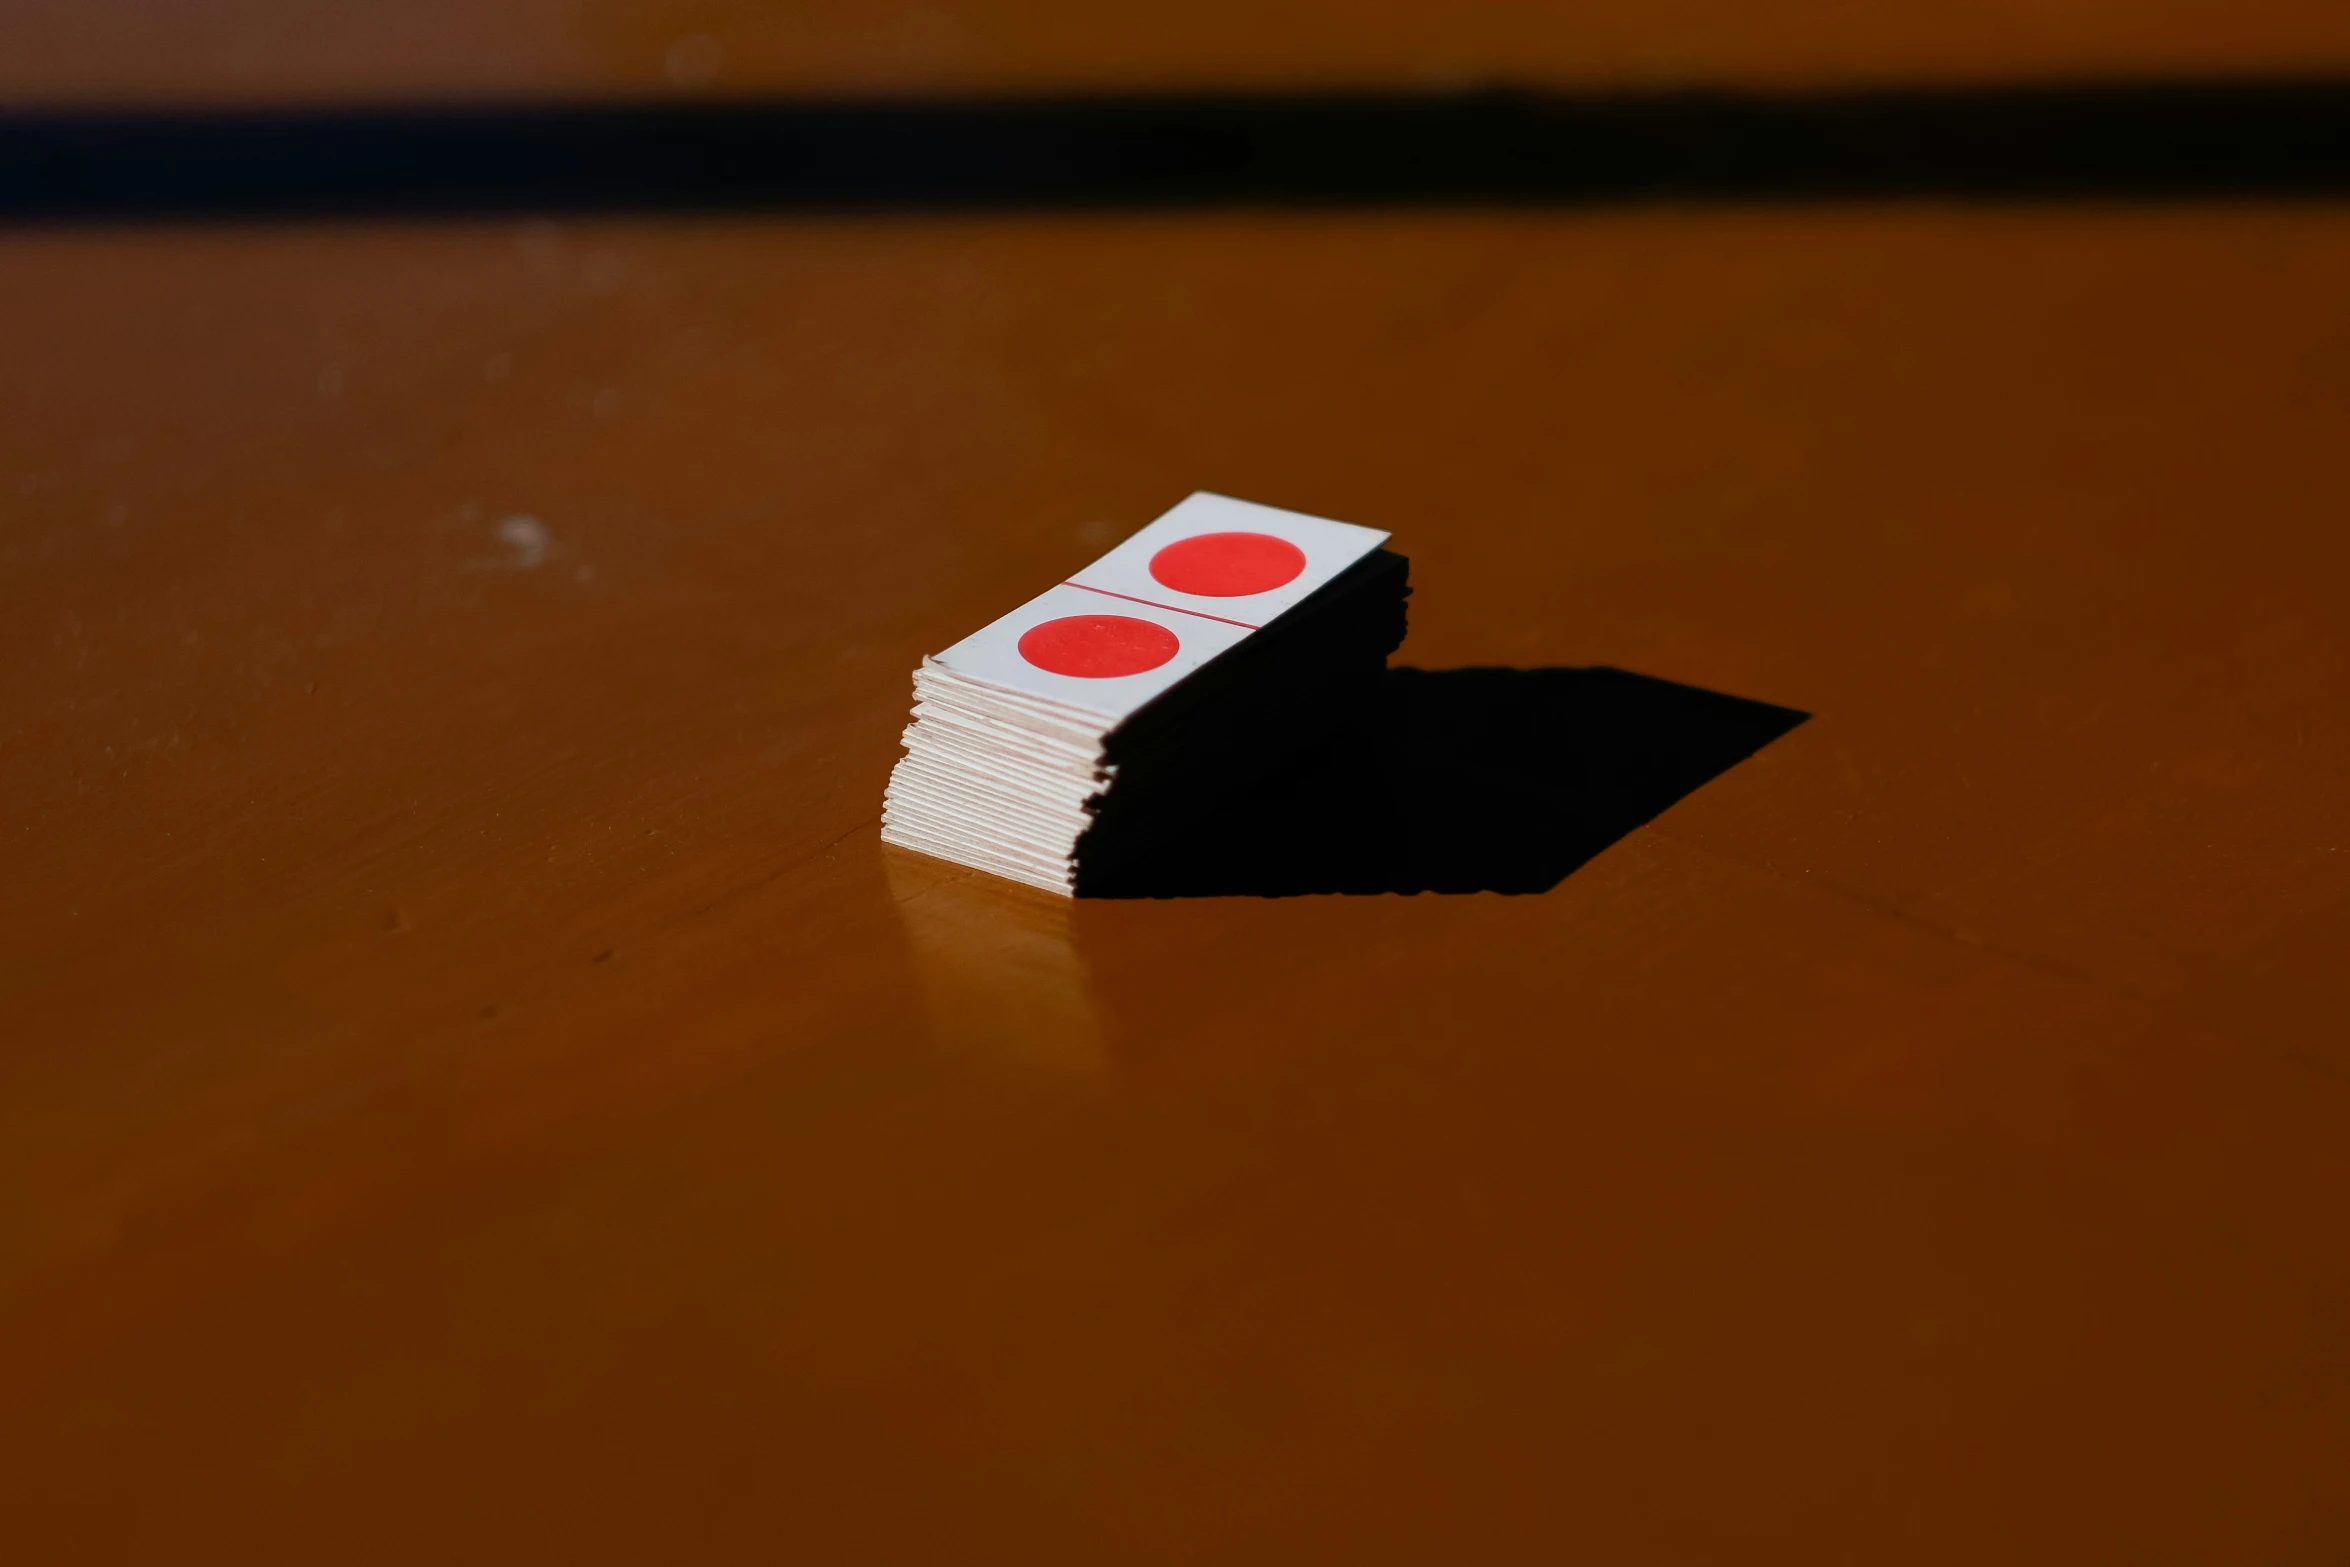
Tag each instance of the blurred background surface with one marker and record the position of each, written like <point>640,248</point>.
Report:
<point>219,51</point>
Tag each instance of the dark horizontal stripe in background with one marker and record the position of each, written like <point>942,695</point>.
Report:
<point>2145,141</point>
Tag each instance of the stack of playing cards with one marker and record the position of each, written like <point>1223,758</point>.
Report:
<point>1205,651</point>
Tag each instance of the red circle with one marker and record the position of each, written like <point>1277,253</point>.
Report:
<point>1228,565</point>
<point>1098,647</point>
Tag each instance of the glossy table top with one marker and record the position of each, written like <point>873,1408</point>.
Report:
<point>239,51</point>
<point>476,1088</point>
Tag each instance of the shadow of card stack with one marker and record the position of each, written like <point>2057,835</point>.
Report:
<point>1218,643</point>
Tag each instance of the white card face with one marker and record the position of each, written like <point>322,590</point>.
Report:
<point>1091,650</point>
<point>1234,560</point>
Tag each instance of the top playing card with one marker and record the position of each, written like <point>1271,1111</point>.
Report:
<point>1186,588</point>
<point>1234,560</point>
<point>1090,651</point>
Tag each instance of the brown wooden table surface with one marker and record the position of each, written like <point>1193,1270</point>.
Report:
<point>475,1088</point>
<point>225,51</point>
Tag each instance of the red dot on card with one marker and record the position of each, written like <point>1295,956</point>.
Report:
<point>1228,565</point>
<point>1098,647</point>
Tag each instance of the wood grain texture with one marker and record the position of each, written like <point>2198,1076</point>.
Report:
<point>476,1089</point>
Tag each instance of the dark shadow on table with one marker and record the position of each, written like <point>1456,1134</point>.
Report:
<point>1462,780</point>
<point>2093,139</point>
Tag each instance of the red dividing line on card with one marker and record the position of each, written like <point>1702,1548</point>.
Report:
<point>1155,604</point>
